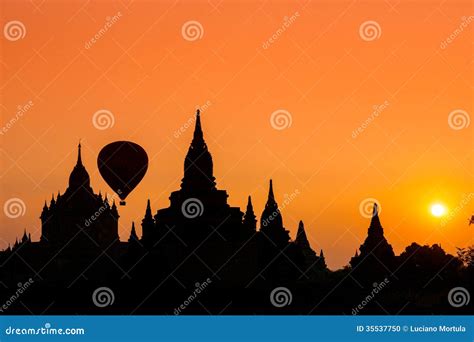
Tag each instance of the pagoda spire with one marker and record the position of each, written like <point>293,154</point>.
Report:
<point>148,210</point>
<point>375,225</point>
<point>79,178</point>
<point>271,211</point>
<point>271,222</point>
<point>133,234</point>
<point>375,249</point>
<point>301,238</point>
<point>198,166</point>
<point>79,159</point>
<point>322,260</point>
<point>250,220</point>
<point>198,135</point>
<point>271,196</point>
<point>249,205</point>
<point>114,210</point>
<point>148,224</point>
<point>25,237</point>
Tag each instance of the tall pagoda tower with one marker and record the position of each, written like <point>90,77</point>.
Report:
<point>199,230</point>
<point>79,218</point>
<point>376,255</point>
<point>271,222</point>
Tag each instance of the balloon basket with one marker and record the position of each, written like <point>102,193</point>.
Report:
<point>123,202</point>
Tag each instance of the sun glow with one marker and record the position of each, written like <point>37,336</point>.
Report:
<point>438,210</point>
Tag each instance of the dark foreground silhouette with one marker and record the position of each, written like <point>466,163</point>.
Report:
<point>202,256</point>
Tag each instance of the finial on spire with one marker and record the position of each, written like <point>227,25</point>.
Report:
<point>198,136</point>
<point>375,220</point>
<point>250,220</point>
<point>249,212</point>
<point>271,196</point>
<point>148,216</point>
<point>375,211</point>
<point>79,159</point>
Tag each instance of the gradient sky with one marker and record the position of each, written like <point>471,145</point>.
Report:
<point>320,70</point>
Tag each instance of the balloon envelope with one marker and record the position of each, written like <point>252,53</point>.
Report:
<point>123,165</point>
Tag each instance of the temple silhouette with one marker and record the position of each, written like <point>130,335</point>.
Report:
<point>200,239</point>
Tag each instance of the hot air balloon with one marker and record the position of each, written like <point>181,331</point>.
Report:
<point>123,165</point>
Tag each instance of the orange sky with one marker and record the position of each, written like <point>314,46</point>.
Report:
<point>319,69</point>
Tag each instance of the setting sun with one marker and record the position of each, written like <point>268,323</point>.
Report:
<point>438,210</point>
